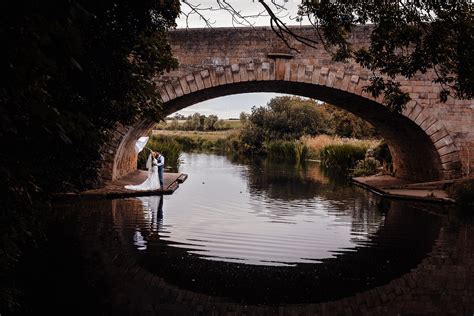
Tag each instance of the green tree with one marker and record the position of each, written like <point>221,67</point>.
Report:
<point>346,124</point>
<point>70,70</point>
<point>210,122</point>
<point>284,118</point>
<point>197,122</point>
<point>406,38</point>
<point>174,124</point>
<point>220,125</point>
<point>243,117</point>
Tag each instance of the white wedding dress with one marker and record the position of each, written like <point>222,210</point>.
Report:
<point>152,182</point>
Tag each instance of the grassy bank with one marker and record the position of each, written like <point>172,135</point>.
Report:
<point>354,157</point>
<point>197,141</point>
<point>317,143</point>
<point>335,152</point>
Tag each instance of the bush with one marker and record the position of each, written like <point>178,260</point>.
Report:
<point>366,167</point>
<point>462,192</point>
<point>342,157</point>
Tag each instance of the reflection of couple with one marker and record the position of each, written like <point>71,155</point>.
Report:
<point>155,165</point>
<point>153,218</point>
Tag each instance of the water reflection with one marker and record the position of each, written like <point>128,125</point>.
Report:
<point>420,261</point>
<point>282,186</point>
<point>261,213</point>
<point>249,230</point>
<point>153,215</point>
<point>406,237</point>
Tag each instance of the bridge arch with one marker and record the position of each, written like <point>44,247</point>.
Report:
<point>422,148</point>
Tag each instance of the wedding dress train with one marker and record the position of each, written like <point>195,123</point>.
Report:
<point>151,183</point>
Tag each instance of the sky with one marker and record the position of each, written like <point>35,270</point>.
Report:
<point>231,106</point>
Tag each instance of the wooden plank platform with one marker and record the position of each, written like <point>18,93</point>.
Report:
<point>116,189</point>
<point>392,187</point>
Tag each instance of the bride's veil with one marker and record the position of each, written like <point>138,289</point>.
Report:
<point>148,163</point>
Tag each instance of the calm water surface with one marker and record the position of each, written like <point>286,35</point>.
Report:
<point>266,232</point>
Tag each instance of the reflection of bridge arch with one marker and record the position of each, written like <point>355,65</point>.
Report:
<point>358,270</point>
<point>225,61</point>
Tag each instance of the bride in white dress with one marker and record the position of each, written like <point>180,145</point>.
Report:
<point>152,182</point>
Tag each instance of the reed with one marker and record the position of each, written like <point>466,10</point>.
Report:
<point>342,157</point>
<point>317,143</point>
<point>288,150</point>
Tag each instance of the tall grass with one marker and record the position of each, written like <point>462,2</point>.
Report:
<point>168,147</point>
<point>317,143</point>
<point>342,157</point>
<point>288,150</point>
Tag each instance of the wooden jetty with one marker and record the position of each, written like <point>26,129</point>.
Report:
<point>388,186</point>
<point>116,189</point>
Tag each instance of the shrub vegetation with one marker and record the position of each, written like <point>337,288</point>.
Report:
<point>462,192</point>
<point>342,157</point>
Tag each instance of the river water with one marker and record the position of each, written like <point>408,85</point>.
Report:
<point>260,232</point>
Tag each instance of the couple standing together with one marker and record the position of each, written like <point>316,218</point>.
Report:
<point>155,165</point>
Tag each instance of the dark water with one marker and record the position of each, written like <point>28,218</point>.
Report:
<point>264,232</point>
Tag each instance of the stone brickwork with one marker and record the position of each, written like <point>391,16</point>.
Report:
<point>429,140</point>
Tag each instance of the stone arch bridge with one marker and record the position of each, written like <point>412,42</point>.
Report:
<point>429,140</point>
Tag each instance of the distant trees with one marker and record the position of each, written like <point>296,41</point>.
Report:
<point>243,117</point>
<point>194,122</point>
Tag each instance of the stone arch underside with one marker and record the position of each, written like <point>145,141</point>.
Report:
<point>421,147</point>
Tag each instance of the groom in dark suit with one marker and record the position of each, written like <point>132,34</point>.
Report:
<point>161,165</point>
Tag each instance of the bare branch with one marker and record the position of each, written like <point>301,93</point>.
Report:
<point>283,31</point>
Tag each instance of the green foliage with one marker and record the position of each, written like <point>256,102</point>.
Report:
<point>70,71</point>
<point>366,167</point>
<point>243,117</point>
<point>462,192</point>
<point>284,118</point>
<point>407,37</point>
<point>285,150</point>
<point>289,118</point>
<point>342,157</point>
<point>188,143</point>
<point>342,123</point>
